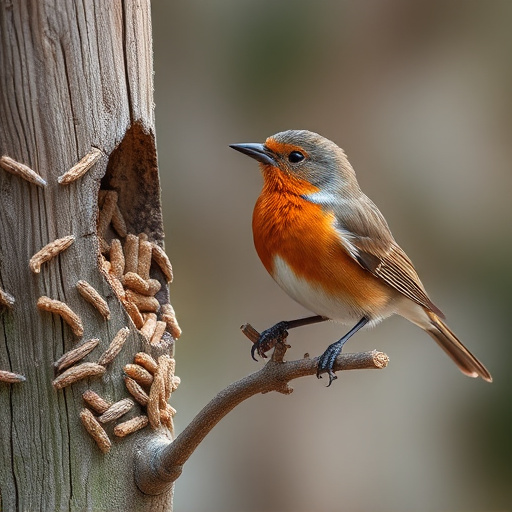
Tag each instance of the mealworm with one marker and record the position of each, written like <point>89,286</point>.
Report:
<point>159,331</point>
<point>93,297</point>
<point>104,247</point>
<point>118,222</point>
<point>175,382</point>
<point>134,313</point>
<point>162,261</point>
<point>143,302</point>
<point>101,197</point>
<point>21,170</point>
<point>115,347</point>
<point>131,253</point>
<point>144,261</point>
<point>149,326</point>
<point>95,430</point>
<point>136,390</point>
<point>116,285</point>
<point>64,311</point>
<point>146,361</point>
<point>153,408</point>
<point>76,373</point>
<point>49,251</point>
<point>138,374</point>
<point>130,426</point>
<point>6,299</point>
<point>169,317</point>
<point>81,167</point>
<point>116,410</point>
<point>95,401</point>
<point>166,367</point>
<point>11,377</point>
<point>78,353</point>
<point>137,284</point>
<point>105,216</point>
<point>166,417</point>
<point>116,258</point>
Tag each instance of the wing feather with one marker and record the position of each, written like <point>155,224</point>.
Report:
<point>362,227</point>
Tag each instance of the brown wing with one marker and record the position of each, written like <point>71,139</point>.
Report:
<point>363,227</point>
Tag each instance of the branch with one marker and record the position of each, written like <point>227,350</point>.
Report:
<point>160,461</point>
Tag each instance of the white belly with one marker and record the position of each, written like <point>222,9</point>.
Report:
<point>316,300</point>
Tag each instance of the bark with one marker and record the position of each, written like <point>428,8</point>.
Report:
<point>76,77</point>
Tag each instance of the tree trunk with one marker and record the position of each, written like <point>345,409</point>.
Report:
<point>75,80</point>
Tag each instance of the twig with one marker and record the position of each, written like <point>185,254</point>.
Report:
<point>160,461</point>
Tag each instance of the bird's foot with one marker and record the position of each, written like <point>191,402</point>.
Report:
<point>326,361</point>
<point>268,339</point>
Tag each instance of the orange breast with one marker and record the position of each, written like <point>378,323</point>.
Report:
<point>302,234</point>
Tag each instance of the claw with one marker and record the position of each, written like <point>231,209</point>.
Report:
<point>268,339</point>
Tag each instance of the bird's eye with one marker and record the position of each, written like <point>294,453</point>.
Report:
<point>295,157</point>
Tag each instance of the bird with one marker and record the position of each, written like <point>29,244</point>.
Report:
<point>328,246</point>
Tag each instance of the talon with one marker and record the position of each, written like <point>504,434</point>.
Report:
<point>332,376</point>
<point>268,339</point>
<point>253,350</point>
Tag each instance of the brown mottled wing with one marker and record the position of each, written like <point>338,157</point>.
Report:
<point>366,230</point>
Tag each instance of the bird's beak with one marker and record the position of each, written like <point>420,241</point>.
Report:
<point>257,151</point>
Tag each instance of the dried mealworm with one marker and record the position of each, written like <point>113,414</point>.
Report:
<point>81,167</point>
<point>115,347</point>
<point>64,311</point>
<point>49,251</point>
<point>169,317</point>
<point>136,391</point>
<point>134,313</point>
<point>131,253</point>
<point>93,400</point>
<point>77,354</point>
<point>95,430</point>
<point>116,410</point>
<point>130,426</point>
<point>101,197</point>
<point>105,216</point>
<point>146,361</point>
<point>175,382</point>
<point>137,284</point>
<point>118,222</point>
<point>138,374</point>
<point>76,373</point>
<point>144,262</point>
<point>143,302</point>
<point>159,331</point>
<point>6,299</point>
<point>116,258</point>
<point>21,170</point>
<point>149,326</point>
<point>92,296</point>
<point>154,286</point>
<point>104,247</point>
<point>116,286</point>
<point>155,393</point>
<point>166,367</point>
<point>162,261</point>
<point>11,377</point>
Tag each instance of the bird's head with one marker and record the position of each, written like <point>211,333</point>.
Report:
<point>303,156</point>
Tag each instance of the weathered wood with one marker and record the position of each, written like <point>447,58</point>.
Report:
<point>75,75</point>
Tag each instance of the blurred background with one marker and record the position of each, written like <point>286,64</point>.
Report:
<point>419,94</point>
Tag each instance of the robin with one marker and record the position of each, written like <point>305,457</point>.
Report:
<point>329,247</point>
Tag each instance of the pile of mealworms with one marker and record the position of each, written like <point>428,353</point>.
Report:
<point>126,266</point>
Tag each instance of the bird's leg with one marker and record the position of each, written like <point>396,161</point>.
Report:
<point>269,337</point>
<point>326,360</point>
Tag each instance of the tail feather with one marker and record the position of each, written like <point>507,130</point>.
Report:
<point>462,357</point>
